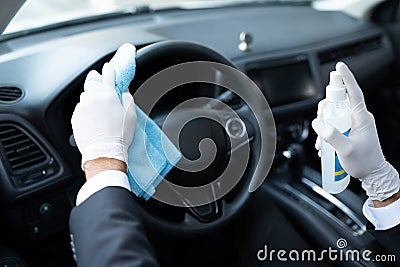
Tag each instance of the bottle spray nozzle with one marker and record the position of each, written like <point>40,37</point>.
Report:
<point>335,79</point>
<point>335,91</point>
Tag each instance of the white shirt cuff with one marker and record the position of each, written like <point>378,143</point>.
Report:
<point>382,218</point>
<point>102,180</point>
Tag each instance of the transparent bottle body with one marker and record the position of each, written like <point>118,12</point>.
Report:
<point>334,178</point>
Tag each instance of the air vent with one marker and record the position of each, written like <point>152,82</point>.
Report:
<point>27,161</point>
<point>338,53</point>
<point>10,94</point>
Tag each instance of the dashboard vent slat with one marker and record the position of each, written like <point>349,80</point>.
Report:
<point>10,94</point>
<point>338,53</point>
<point>22,153</point>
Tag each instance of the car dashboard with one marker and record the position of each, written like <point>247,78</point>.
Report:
<point>292,51</point>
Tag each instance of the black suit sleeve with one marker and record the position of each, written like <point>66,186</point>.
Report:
<point>106,231</point>
<point>390,239</point>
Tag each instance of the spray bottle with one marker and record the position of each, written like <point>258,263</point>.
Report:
<point>336,113</point>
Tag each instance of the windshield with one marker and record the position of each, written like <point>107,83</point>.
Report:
<point>40,13</point>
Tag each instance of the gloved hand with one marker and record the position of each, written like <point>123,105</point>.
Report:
<point>103,126</point>
<point>360,153</point>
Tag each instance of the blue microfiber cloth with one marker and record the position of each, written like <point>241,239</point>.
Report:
<point>151,155</point>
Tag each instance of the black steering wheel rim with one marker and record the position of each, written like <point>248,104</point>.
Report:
<point>154,58</point>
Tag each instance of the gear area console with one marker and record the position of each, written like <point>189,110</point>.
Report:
<point>325,220</point>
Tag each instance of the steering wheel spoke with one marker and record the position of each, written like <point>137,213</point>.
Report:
<point>207,213</point>
<point>240,129</point>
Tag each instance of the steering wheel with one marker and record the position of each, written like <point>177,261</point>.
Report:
<point>250,131</point>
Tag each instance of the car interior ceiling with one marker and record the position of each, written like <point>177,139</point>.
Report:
<point>49,67</point>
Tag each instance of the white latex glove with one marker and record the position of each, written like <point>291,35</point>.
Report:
<point>103,126</point>
<point>360,153</point>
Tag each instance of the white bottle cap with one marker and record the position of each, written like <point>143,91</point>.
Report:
<point>335,91</point>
